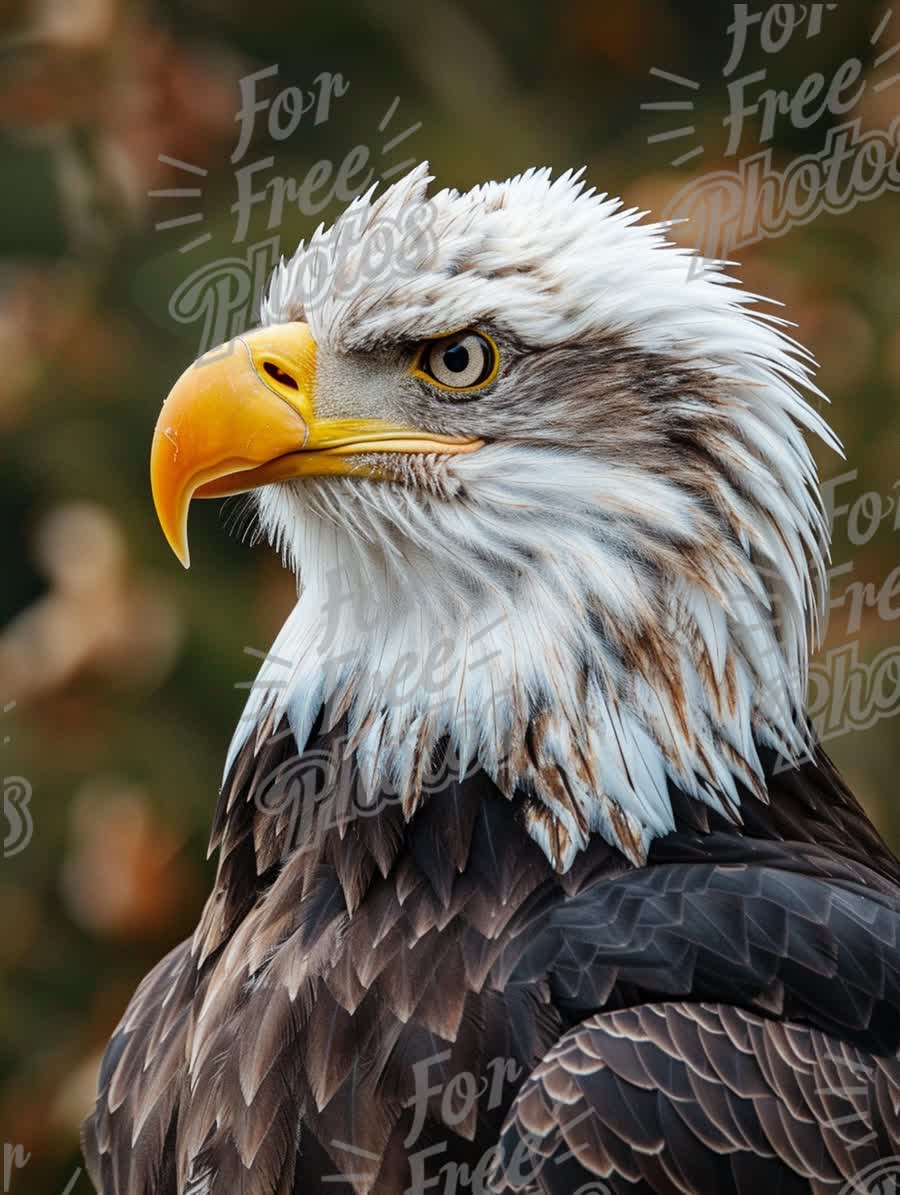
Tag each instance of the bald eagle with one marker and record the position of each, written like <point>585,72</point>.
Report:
<point>532,876</point>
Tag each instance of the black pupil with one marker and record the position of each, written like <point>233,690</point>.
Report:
<point>456,358</point>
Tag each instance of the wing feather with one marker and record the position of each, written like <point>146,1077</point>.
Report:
<point>682,1132</point>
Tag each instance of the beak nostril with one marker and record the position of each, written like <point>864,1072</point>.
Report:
<point>279,375</point>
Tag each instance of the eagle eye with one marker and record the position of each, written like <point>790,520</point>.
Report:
<point>462,361</point>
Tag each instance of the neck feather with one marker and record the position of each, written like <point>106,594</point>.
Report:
<point>586,676</point>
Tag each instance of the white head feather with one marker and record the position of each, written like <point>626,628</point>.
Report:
<point>617,592</point>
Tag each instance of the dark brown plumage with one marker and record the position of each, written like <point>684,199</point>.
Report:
<point>278,1048</point>
<point>702,1097</point>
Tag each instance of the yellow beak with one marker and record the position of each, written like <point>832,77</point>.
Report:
<point>243,416</point>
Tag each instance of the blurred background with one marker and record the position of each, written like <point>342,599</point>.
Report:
<point>121,676</point>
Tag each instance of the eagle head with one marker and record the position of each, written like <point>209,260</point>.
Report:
<point>543,479</point>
